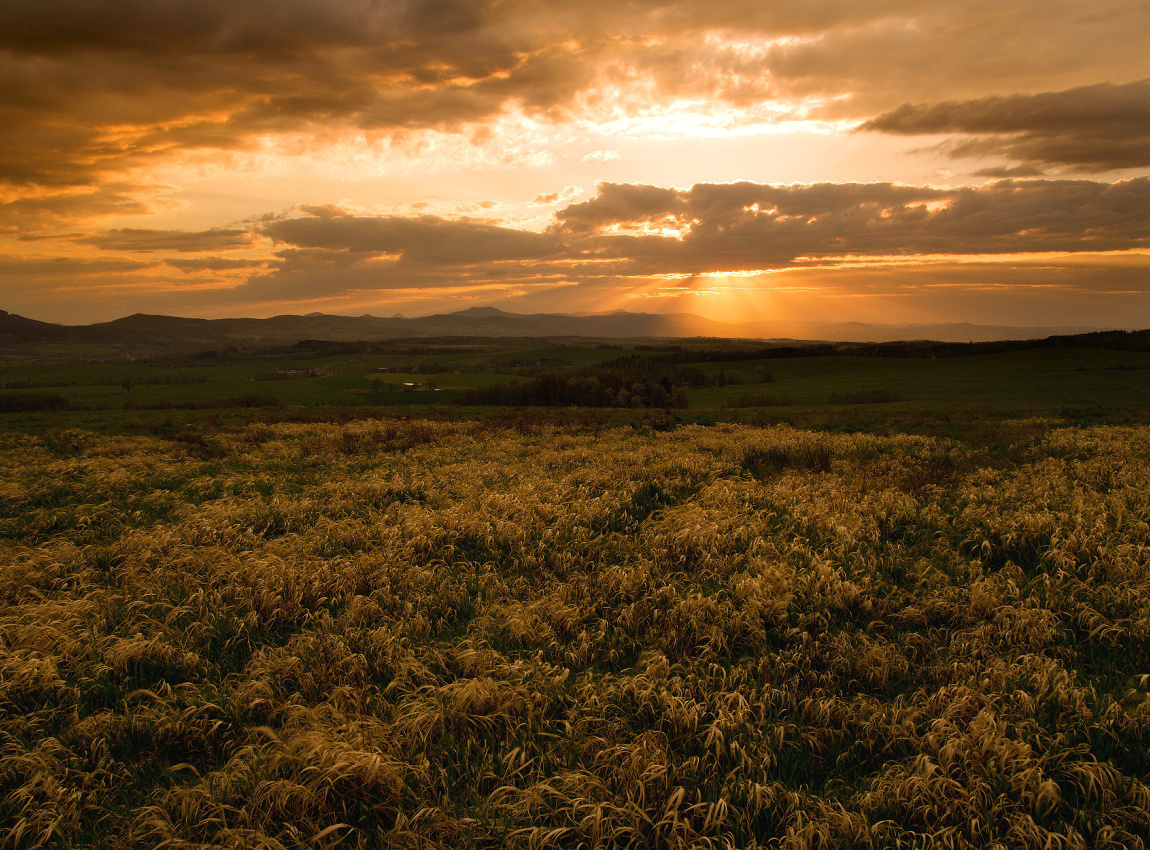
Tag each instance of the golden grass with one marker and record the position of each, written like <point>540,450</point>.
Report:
<point>416,634</point>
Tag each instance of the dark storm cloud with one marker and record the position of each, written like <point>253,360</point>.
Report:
<point>1089,128</point>
<point>185,241</point>
<point>626,230</point>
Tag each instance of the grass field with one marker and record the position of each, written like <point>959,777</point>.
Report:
<point>397,632</point>
<point>333,380</point>
<point>1037,378</point>
<point>1082,384</point>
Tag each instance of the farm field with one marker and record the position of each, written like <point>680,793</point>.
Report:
<point>400,632</point>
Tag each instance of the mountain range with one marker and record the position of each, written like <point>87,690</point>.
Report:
<point>141,336</point>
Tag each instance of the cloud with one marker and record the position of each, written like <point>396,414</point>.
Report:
<point>63,283</point>
<point>146,241</point>
<point>636,231</point>
<point>712,227</point>
<point>549,198</point>
<point>90,92</point>
<point>1089,128</point>
<point>1007,242</point>
<point>426,239</point>
<point>40,268</point>
<point>622,203</point>
<point>213,264</point>
<point>1008,171</point>
<point>629,231</point>
<point>323,274</point>
<point>34,209</point>
<point>109,111</point>
<point>601,156</point>
<point>1088,291</point>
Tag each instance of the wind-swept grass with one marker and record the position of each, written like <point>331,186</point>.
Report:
<point>468,634</point>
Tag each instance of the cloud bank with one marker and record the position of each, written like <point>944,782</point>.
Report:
<point>1090,128</point>
<point>633,231</point>
<point>93,96</point>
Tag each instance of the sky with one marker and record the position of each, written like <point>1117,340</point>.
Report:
<point>882,161</point>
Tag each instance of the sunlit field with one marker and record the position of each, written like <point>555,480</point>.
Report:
<point>662,425</point>
<point>433,634</point>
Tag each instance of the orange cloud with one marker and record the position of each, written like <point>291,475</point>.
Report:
<point>183,241</point>
<point>89,93</point>
<point>616,239</point>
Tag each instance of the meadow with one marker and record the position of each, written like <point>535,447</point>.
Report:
<point>509,631</point>
<point>904,387</point>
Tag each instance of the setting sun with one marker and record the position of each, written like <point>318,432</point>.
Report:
<point>782,163</point>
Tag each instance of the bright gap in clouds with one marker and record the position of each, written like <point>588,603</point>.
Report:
<point>139,130</point>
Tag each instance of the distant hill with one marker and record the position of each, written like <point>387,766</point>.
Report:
<point>141,336</point>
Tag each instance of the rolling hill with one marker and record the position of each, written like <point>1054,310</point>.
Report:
<point>141,336</point>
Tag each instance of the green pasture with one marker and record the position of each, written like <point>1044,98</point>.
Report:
<point>338,380</point>
<point>1039,379</point>
<point>1079,384</point>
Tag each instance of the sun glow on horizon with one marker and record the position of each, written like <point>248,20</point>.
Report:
<point>736,161</point>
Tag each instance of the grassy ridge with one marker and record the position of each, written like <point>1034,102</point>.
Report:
<point>415,633</point>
